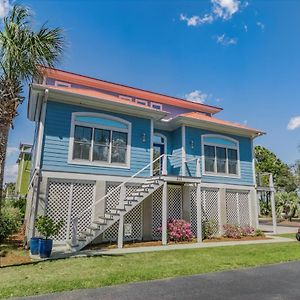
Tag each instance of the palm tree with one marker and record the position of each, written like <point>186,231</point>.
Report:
<point>22,50</point>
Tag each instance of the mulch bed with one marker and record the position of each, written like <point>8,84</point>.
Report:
<point>12,251</point>
<point>136,244</point>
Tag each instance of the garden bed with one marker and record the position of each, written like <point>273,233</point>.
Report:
<point>136,244</point>
<point>12,251</point>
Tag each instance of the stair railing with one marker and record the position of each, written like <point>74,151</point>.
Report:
<point>75,219</point>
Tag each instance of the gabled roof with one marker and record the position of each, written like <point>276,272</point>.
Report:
<point>127,90</point>
<point>202,120</point>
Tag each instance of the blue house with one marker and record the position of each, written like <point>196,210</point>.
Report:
<point>116,162</point>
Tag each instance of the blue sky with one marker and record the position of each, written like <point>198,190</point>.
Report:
<point>241,55</point>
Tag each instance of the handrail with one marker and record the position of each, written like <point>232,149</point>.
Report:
<point>118,187</point>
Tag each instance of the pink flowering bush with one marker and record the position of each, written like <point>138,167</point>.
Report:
<point>247,230</point>
<point>178,231</point>
<point>236,232</point>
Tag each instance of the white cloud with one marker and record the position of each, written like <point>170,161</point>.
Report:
<point>261,25</point>
<point>10,173</point>
<point>225,9</point>
<point>11,151</point>
<point>196,96</point>
<point>4,8</point>
<point>294,123</point>
<point>246,28</point>
<point>196,20</point>
<point>221,9</point>
<point>226,41</point>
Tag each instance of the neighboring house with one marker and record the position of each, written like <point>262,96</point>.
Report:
<point>116,162</point>
<point>23,175</point>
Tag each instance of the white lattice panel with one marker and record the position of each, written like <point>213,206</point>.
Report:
<point>238,208</point>
<point>65,200</point>
<point>156,213</point>
<point>133,217</point>
<point>58,201</point>
<point>231,208</point>
<point>193,197</point>
<point>82,198</point>
<point>244,208</point>
<point>174,202</point>
<point>209,208</point>
<point>112,200</point>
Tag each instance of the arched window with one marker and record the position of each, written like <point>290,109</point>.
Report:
<point>99,139</point>
<point>221,155</point>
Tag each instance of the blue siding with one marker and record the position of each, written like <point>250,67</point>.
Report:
<point>245,157</point>
<point>56,142</point>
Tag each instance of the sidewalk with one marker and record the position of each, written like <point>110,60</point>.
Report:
<point>60,251</point>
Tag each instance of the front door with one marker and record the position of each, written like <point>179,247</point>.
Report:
<point>158,150</point>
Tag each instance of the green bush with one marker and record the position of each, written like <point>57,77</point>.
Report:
<point>259,232</point>
<point>47,227</point>
<point>21,205</point>
<point>10,221</point>
<point>210,229</point>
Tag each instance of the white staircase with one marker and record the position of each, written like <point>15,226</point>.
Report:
<point>101,223</point>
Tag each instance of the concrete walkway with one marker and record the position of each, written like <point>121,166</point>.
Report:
<point>268,229</point>
<point>279,281</point>
<point>62,251</point>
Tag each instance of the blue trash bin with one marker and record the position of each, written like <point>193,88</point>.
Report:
<point>34,245</point>
<point>45,248</point>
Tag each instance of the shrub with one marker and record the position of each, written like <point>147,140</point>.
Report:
<point>259,232</point>
<point>10,222</point>
<point>47,227</point>
<point>210,229</point>
<point>247,230</point>
<point>232,231</point>
<point>21,205</point>
<point>179,231</point>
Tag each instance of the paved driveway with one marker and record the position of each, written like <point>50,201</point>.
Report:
<point>281,281</point>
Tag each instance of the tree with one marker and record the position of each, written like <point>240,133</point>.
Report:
<point>22,51</point>
<point>287,204</point>
<point>268,162</point>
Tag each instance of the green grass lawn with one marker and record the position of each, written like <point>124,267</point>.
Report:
<point>78,273</point>
<point>288,235</point>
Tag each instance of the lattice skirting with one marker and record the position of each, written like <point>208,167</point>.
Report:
<point>134,217</point>
<point>65,200</point>
<point>174,207</point>
<point>210,204</point>
<point>238,207</point>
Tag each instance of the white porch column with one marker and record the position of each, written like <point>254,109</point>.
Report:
<point>199,214</point>
<point>272,191</point>
<point>164,238</point>
<point>151,145</point>
<point>121,220</point>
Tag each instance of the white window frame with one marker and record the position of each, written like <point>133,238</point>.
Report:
<point>156,104</point>
<point>125,165</point>
<point>125,98</point>
<point>142,102</point>
<point>62,84</point>
<point>237,147</point>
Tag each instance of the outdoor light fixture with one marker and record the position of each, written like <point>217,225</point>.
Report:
<point>192,144</point>
<point>143,137</point>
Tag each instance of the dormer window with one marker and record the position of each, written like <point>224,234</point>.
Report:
<point>125,98</point>
<point>99,139</point>
<point>157,106</point>
<point>62,84</point>
<point>142,102</point>
<point>221,155</point>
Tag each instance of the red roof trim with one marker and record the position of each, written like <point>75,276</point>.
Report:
<point>128,90</point>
